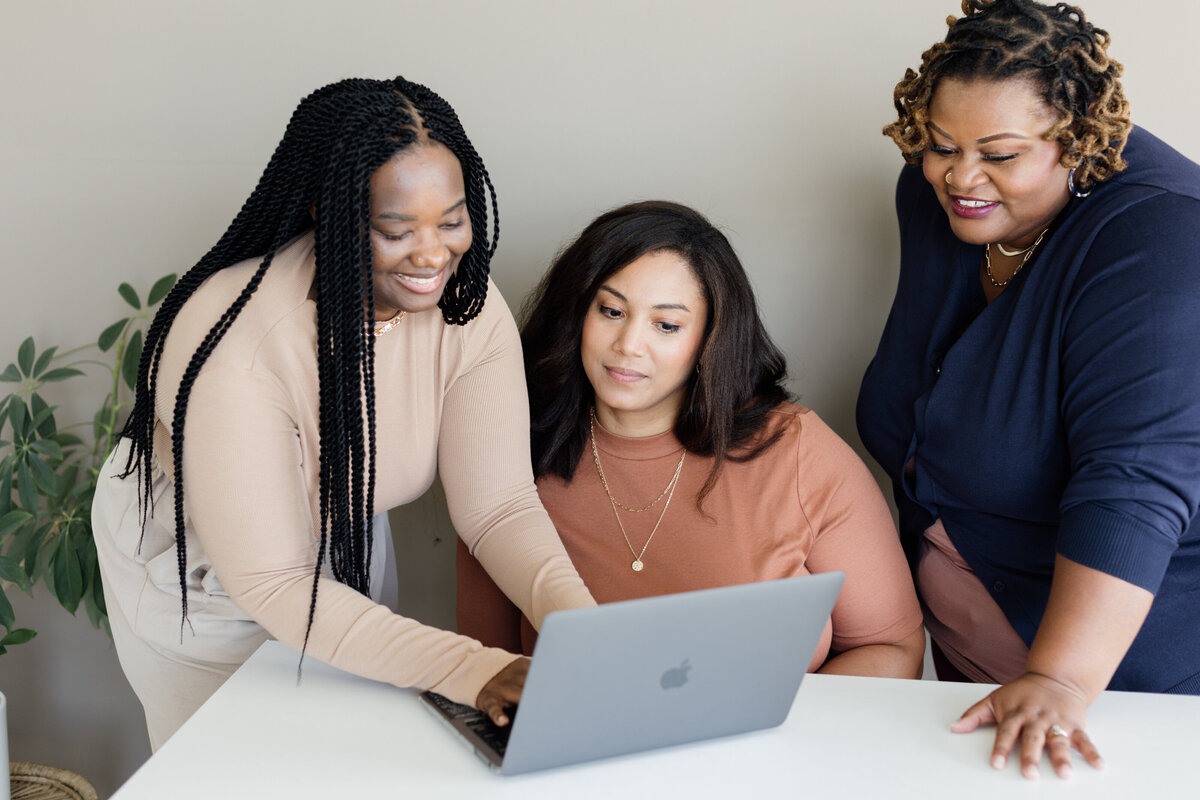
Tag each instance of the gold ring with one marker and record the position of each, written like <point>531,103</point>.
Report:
<point>1056,730</point>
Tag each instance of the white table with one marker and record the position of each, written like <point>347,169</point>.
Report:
<point>339,736</point>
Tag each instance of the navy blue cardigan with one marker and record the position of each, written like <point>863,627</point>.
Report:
<point>1065,416</point>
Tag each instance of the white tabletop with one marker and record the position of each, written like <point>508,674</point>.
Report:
<point>339,736</point>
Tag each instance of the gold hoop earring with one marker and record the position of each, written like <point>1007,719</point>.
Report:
<point>948,176</point>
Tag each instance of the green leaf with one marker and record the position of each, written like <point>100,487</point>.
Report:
<point>66,479</point>
<point>133,354</point>
<point>25,356</point>
<point>160,288</point>
<point>10,570</point>
<point>67,440</point>
<point>6,479</point>
<point>18,415</point>
<point>104,420</point>
<point>7,617</point>
<point>26,488</point>
<point>43,476</point>
<point>98,593</point>
<point>68,580</point>
<point>19,636</point>
<point>130,295</point>
<point>60,374</point>
<point>111,334</point>
<point>43,416</point>
<point>48,448</point>
<point>10,374</point>
<point>43,361</point>
<point>27,546</point>
<point>13,520</point>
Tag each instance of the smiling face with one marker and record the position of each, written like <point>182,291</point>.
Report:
<point>996,177</point>
<point>419,228</point>
<point>641,338</point>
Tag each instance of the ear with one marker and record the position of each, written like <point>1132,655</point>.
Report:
<point>312,211</point>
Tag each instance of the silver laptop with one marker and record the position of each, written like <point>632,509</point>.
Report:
<point>641,674</point>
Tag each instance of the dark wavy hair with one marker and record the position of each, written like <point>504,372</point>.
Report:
<point>1057,49</point>
<point>337,137</point>
<point>727,400</point>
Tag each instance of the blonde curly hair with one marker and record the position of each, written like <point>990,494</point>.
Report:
<point>1055,48</point>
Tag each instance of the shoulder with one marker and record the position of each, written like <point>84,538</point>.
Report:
<point>494,327</point>
<point>281,294</point>
<point>802,431</point>
<point>1155,164</point>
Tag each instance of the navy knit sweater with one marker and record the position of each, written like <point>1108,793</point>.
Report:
<point>1064,417</point>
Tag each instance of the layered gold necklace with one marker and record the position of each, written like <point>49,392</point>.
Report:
<point>669,492</point>
<point>987,259</point>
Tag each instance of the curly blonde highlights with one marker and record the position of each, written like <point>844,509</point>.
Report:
<point>1055,48</point>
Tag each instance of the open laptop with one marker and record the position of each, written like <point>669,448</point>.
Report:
<point>641,674</point>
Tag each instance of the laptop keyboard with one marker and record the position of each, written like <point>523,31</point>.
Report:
<point>479,722</point>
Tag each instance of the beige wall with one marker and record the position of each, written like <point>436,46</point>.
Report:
<point>133,129</point>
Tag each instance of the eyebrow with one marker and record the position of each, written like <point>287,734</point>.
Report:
<point>391,215</point>
<point>658,307</point>
<point>985,139</point>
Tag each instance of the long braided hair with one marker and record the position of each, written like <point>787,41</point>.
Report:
<point>1064,55</point>
<point>337,137</point>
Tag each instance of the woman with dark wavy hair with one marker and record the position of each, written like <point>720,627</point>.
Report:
<point>338,346</point>
<point>1035,396</point>
<point>669,457</point>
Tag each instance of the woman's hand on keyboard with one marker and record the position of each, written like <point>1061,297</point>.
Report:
<point>503,691</point>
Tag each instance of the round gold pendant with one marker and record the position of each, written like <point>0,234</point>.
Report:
<point>637,565</point>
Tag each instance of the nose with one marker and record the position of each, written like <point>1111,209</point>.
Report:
<point>628,341</point>
<point>965,174</point>
<point>430,254</point>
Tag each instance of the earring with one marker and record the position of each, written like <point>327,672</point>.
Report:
<point>1071,185</point>
<point>948,176</point>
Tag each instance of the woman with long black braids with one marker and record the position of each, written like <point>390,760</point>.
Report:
<point>339,345</point>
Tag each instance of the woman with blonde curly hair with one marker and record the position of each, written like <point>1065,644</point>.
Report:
<point>1035,396</point>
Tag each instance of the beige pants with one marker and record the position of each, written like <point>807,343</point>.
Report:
<point>175,665</point>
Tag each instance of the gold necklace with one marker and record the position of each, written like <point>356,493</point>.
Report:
<point>987,260</point>
<point>382,326</point>
<point>1004,251</point>
<point>637,565</point>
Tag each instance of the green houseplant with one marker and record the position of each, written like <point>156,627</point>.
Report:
<point>48,470</point>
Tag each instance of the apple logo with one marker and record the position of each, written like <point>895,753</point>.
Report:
<point>675,676</point>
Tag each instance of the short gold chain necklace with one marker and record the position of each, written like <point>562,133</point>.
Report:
<point>637,565</point>
<point>382,326</point>
<point>1028,251</point>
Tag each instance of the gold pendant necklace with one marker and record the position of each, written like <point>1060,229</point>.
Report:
<point>638,564</point>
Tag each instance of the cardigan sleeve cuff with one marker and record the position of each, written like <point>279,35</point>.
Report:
<point>1115,543</point>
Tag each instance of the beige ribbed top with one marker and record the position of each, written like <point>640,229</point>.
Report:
<point>449,400</point>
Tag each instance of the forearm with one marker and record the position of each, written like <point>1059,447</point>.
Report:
<point>900,659</point>
<point>1090,622</point>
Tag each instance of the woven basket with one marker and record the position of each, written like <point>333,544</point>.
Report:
<point>37,782</point>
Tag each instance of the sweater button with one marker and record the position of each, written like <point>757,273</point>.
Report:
<point>998,587</point>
